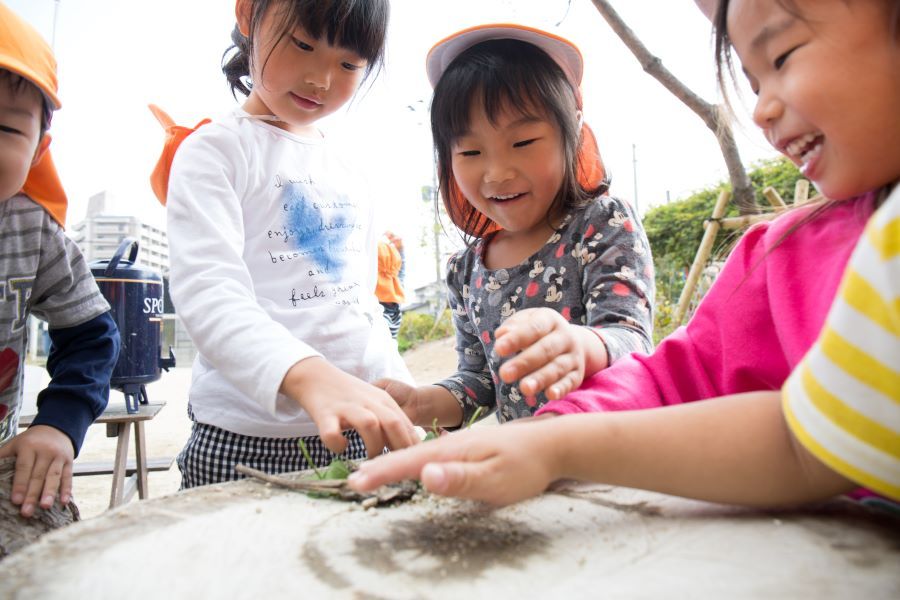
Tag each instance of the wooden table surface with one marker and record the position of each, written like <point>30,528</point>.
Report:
<point>249,540</point>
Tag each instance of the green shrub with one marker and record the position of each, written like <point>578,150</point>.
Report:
<point>418,327</point>
<point>674,230</point>
<point>662,319</point>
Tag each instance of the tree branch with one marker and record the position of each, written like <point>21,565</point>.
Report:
<point>710,113</point>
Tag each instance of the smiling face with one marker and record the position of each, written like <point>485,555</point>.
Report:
<point>510,170</point>
<point>20,133</point>
<point>296,77</point>
<point>828,87</point>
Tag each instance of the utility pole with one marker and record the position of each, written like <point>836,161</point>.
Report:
<point>435,198</point>
<point>634,167</point>
<point>55,18</point>
<point>420,108</point>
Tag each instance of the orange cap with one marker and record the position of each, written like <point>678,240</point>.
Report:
<point>24,52</point>
<point>44,187</point>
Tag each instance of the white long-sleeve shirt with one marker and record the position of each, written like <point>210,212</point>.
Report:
<point>273,260</point>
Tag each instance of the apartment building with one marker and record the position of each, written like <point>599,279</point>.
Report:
<point>101,232</point>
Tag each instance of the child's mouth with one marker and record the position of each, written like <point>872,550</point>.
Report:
<point>303,102</point>
<point>805,149</point>
<point>506,197</point>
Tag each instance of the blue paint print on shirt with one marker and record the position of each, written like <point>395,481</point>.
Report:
<point>319,228</point>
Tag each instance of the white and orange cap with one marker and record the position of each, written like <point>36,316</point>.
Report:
<point>562,51</point>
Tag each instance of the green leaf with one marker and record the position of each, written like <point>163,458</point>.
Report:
<point>338,469</point>
<point>435,432</point>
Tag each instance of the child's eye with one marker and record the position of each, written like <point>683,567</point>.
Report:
<point>469,152</point>
<point>302,45</point>
<point>351,66</point>
<point>524,143</point>
<point>779,62</point>
<point>9,129</point>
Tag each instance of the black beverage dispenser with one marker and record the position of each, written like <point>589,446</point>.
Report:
<point>135,294</point>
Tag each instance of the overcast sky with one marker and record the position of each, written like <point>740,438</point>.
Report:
<point>116,56</point>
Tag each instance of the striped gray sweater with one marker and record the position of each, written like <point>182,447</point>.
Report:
<point>42,272</point>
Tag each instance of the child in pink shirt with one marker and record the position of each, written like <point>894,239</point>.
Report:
<point>754,325</point>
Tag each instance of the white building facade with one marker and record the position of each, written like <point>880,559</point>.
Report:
<point>100,233</point>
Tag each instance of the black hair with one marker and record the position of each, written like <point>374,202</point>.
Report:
<point>358,25</point>
<point>724,61</point>
<point>503,74</point>
<point>725,72</point>
<point>17,84</point>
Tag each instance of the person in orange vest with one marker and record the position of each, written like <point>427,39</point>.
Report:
<point>389,290</point>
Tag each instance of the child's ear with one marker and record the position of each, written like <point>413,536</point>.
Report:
<point>41,149</point>
<point>242,11</point>
<point>580,117</point>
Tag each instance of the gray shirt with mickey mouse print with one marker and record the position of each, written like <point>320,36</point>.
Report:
<point>596,270</point>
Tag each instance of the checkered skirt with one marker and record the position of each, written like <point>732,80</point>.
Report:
<point>211,453</point>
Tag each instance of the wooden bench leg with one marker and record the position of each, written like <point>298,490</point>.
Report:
<point>140,459</point>
<point>117,495</point>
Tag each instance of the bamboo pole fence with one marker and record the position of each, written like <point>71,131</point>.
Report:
<point>718,221</point>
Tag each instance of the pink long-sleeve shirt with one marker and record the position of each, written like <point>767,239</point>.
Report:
<point>757,321</point>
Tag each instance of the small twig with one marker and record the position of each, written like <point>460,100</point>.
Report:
<point>320,485</point>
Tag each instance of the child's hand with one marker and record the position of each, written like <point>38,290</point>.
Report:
<point>337,401</point>
<point>425,405</point>
<point>404,395</point>
<point>495,465</point>
<point>44,458</point>
<point>554,355</point>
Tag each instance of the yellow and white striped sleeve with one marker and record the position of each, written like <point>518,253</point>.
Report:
<point>843,400</point>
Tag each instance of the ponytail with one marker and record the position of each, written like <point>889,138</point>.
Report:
<point>237,67</point>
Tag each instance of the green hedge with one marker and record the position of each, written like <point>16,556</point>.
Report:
<point>675,229</point>
<point>418,327</point>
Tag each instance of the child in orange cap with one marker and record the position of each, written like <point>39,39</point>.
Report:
<point>43,273</point>
<point>557,280</point>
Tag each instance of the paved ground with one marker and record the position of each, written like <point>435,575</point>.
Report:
<point>167,433</point>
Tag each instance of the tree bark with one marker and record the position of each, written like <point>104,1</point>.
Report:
<point>16,531</point>
<point>712,115</point>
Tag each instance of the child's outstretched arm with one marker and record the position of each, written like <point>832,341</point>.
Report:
<point>556,355</point>
<point>736,449</point>
<point>81,361</point>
